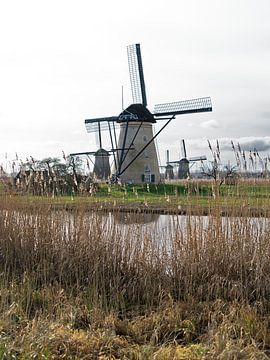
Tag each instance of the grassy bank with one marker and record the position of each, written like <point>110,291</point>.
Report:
<point>245,193</point>
<point>81,286</point>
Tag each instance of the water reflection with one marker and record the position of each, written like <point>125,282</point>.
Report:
<point>164,227</point>
<point>135,218</point>
<point>159,227</point>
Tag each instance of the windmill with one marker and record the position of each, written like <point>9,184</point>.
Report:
<point>184,162</point>
<point>134,153</point>
<point>101,163</point>
<point>169,173</point>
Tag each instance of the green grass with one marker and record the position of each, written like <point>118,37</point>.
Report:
<point>253,194</point>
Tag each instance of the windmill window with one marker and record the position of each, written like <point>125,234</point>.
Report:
<point>146,168</point>
<point>145,153</point>
<point>145,138</point>
<point>147,178</point>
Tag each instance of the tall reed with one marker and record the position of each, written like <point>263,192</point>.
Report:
<point>125,267</point>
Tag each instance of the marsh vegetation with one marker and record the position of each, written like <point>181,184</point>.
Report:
<point>75,286</point>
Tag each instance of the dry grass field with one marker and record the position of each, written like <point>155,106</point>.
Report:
<point>75,285</point>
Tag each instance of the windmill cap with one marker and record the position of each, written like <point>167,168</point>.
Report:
<point>101,152</point>
<point>136,112</point>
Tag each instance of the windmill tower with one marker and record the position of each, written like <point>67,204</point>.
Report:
<point>133,138</point>
<point>183,169</point>
<point>184,162</point>
<point>134,153</point>
<point>169,174</point>
<point>102,164</point>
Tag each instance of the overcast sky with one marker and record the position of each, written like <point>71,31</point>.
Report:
<point>64,61</point>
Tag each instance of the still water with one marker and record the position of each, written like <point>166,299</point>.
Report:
<point>160,228</point>
<point>164,227</point>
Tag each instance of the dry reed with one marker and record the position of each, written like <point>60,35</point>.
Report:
<point>200,279</point>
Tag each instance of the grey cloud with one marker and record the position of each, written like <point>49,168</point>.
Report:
<point>210,124</point>
<point>266,115</point>
<point>246,143</point>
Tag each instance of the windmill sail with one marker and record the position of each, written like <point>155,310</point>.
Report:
<point>183,149</point>
<point>183,107</point>
<point>168,156</point>
<point>95,125</point>
<point>83,153</point>
<point>197,158</point>
<point>136,74</point>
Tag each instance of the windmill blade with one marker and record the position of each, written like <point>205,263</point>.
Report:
<point>197,158</point>
<point>136,74</point>
<point>167,156</point>
<point>183,107</point>
<point>83,153</point>
<point>174,162</point>
<point>95,125</point>
<point>183,149</point>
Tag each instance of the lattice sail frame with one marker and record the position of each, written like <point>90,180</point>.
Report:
<point>136,74</point>
<point>197,158</point>
<point>100,124</point>
<point>183,107</point>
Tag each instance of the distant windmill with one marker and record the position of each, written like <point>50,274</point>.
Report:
<point>135,155</point>
<point>101,164</point>
<point>184,162</point>
<point>169,173</point>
